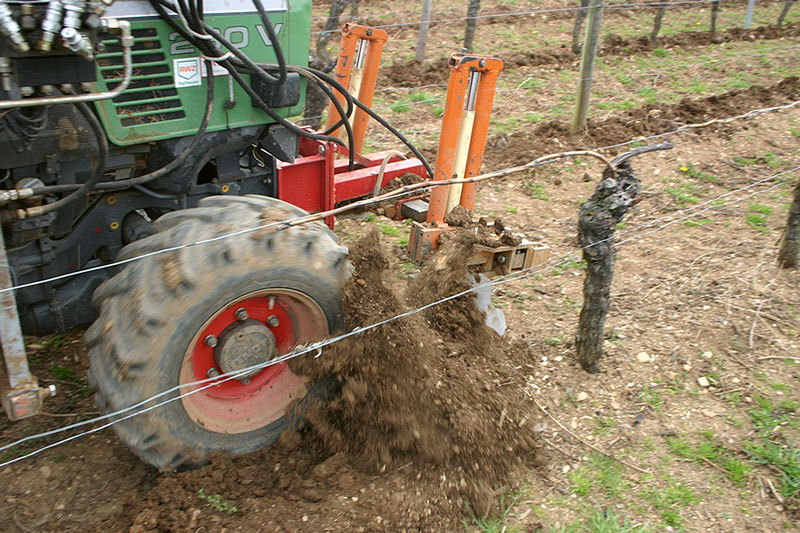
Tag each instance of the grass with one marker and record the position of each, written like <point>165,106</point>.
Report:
<point>215,501</point>
<point>705,177</point>
<point>389,231</point>
<point>651,397</point>
<point>568,264</point>
<point>598,520</point>
<point>758,222</point>
<point>493,523</point>
<point>758,208</point>
<point>685,193</point>
<point>602,474</point>
<point>696,223</point>
<point>535,190</point>
<point>670,499</point>
<point>65,373</point>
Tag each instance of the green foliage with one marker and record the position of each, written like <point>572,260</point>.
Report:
<point>695,223</point>
<point>685,193</point>
<point>758,208</point>
<point>55,342</point>
<point>217,502</point>
<point>699,174</point>
<point>784,458</point>
<point>601,474</point>
<point>568,264</point>
<point>493,523</point>
<point>536,190</point>
<point>670,499</point>
<point>651,397</point>
<point>389,231</point>
<point>757,222</point>
<point>660,52</point>
<point>65,373</point>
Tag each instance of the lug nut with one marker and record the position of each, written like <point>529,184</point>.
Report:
<point>210,341</point>
<point>212,372</point>
<point>241,314</point>
<point>273,321</point>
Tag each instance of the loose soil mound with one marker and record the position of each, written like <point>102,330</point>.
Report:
<point>420,411</point>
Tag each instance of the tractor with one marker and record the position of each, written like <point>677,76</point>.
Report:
<point>147,161</point>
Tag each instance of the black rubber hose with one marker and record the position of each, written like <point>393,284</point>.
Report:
<point>99,168</point>
<point>276,45</point>
<point>257,99</point>
<point>338,86</point>
<point>145,178</point>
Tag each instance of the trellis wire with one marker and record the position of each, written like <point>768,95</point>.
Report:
<point>317,346</point>
<point>612,7</point>
<point>67,275</point>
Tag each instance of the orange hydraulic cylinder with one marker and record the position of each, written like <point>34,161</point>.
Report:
<point>460,68</point>
<point>480,129</point>
<point>373,39</point>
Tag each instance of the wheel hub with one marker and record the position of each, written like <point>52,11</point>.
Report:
<point>244,344</point>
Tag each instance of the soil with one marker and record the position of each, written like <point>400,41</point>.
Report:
<point>434,420</point>
<point>412,74</point>
<point>650,119</point>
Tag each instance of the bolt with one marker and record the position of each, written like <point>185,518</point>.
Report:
<point>212,372</point>
<point>501,259</point>
<point>482,63</point>
<point>321,150</point>
<point>244,381</point>
<point>210,341</point>
<point>273,321</point>
<point>241,314</point>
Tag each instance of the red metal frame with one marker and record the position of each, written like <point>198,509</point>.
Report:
<point>317,181</point>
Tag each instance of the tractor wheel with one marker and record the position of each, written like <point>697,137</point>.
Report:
<point>206,309</point>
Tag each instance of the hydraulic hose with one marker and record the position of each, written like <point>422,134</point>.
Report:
<point>97,172</point>
<point>145,178</point>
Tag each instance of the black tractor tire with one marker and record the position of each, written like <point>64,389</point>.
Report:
<point>145,340</point>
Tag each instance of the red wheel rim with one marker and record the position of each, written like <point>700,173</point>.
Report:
<point>231,406</point>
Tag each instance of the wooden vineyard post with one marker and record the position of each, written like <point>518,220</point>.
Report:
<point>472,21</point>
<point>787,4</point>
<point>587,66</point>
<point>576,29</point>
<point>789,254</point>
<point>422,38</point>
<point>748,19</point>
<point>599,216</point>
<point>714,13</point>
<point>662,7</point>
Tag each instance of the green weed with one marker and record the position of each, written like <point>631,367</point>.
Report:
<point>568,264</point>
<point>669,500</point>
<point>758,208</point>
<point>699,174</point>
<point>65,373</point>
<point>651,397</point>
<point>757,222</point>
<point>782,457</point>
<point>495,523</point>
<point>697,222</point>
<point>536,190</point>
<point>685,193</point>
<point>389,231</point>
<point>217,502</point>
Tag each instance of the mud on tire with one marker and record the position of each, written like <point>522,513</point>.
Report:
<point>155,313</point>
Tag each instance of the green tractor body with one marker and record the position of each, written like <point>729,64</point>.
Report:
<point>167,94</point>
